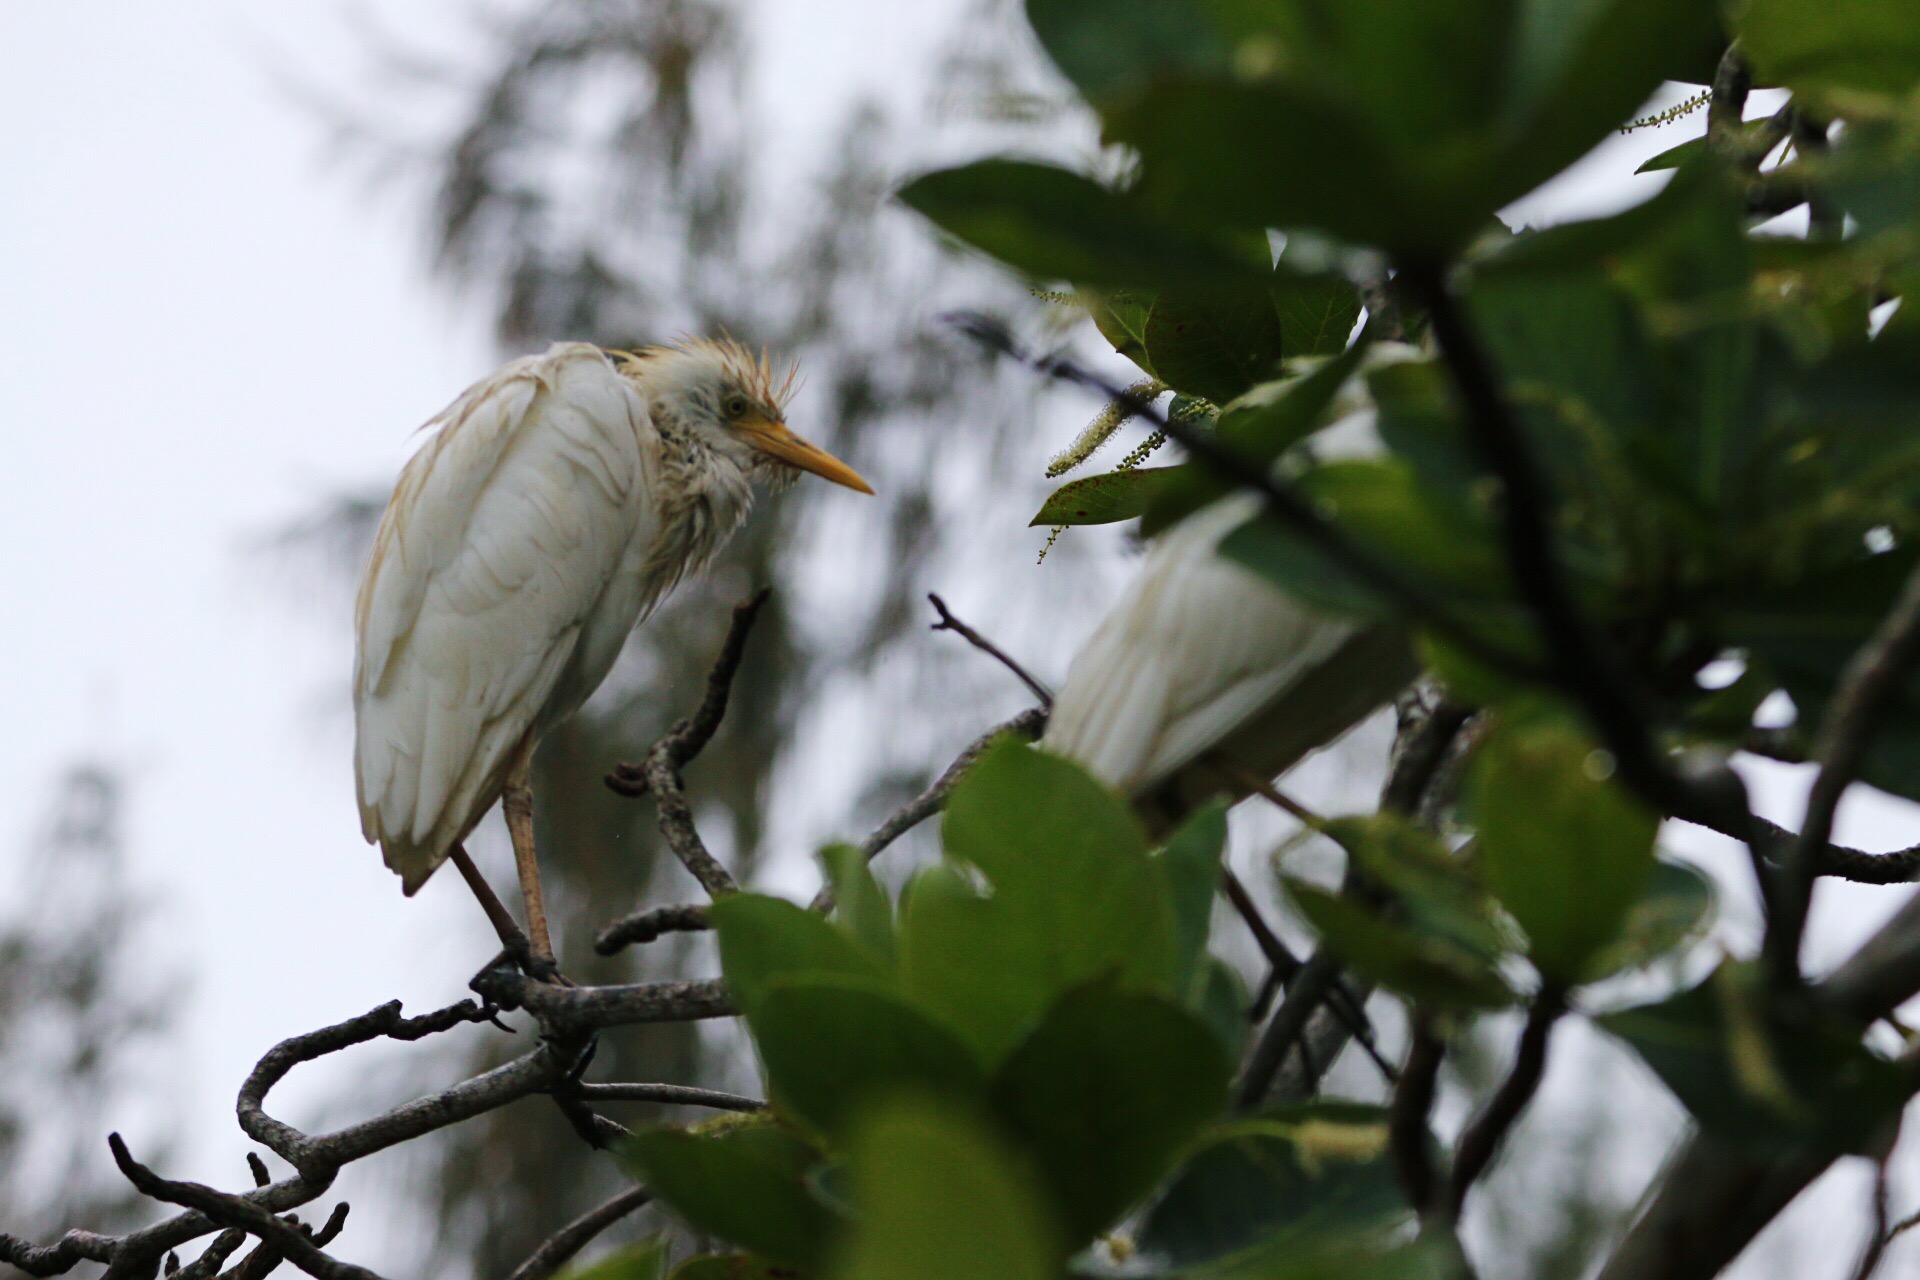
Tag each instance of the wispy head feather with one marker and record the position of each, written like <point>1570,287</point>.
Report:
<point>753,373</point>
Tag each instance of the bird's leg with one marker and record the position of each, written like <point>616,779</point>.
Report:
<point>516,801</point>
<point>514,941</point>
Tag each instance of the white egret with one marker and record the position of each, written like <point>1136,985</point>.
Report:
<point>555,504</point>
<point>1202,665</point>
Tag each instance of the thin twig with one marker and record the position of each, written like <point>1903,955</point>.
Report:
<point>645,926</point>
<point>558,1249</point>
<point>658,772</point>
<point>950,623</point>
<point>1854,712</point>
<point>1482,1137</point>
<point>1309,987</point>
<point>1879,1235</point>
<point>213,1257</point>
<point>1283,502</point>
<point>237,1211</point>
<point>1029,724</point>
<point>675,1095</point>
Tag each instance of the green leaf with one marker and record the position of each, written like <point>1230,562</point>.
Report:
<point>860,904</point>
<point>1121,317</point>
<point>1427,969</point>
<point>831,1045</point>
<point>1053,224</point>
<point>645,1260</point>
<point>1866,45</point>
<point>1104,499</point>
<point>730,1266</point>
<point>1676,907</point>
<point>1431,885</point>
<point>1222,1004</point>
<point>1673,157</point>
<point>1317,311</point>
<point>1110,47</point>
<point>1074,895</point>
<point>1214,343</point>
<point>1104,1092</point>
<point>745,1184</point>
<point>1319,1167</point>
<point>1262,424</point>
<point>1764,1071</point>
<point>940,1199</point>
<point>1566,851</point>
<point>765,940</point>
<point>1190,865</point>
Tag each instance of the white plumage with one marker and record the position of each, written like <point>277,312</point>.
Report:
<point>1200,655</point>
<point>556,502</point>
<point>1194,647</point>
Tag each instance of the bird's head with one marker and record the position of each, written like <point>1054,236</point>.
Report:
<point>727,396</point>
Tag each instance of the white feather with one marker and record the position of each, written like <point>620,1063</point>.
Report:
<point>1194,647</point>
<point>504,577</point>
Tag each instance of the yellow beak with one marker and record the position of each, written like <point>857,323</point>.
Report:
<point>773,438</point>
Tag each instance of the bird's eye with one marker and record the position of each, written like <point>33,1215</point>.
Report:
<point>735,405</point>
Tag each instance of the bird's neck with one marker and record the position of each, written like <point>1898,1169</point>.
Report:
<point>704,497</point>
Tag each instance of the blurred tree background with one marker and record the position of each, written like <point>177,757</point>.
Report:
<point>83,1014</point>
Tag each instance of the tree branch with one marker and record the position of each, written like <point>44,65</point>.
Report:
<point>558,1249</point>
<point>1481,1139</point>
<point>675,1095</point>
<point>1407,1132</point>
<point>1283,502</point>
<point>1853,713</point>
<point>645,926</point>
<point>240,1212</point>
<point>1029,724</point>
<point>950,623</point>
<point>658,772</point>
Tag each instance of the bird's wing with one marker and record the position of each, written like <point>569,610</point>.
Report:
<point>503,533</point>
<point>1194,647</point>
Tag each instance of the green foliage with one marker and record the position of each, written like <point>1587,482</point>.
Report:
<point>1765,1073</point>
<point>1566,852</point>
<point>1105,499</point>
<point>942,1199</point>
<point>643,1261</point>
<point>745,1183</point>
<point>1283,1176</point>
<point>1867,46</point>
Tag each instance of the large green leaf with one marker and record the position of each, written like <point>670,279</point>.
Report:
<point>745,1184</point>
<point>1105,499</point>
<point>830,1045</point>
<point>764,940</point>
<point>1317,311</point>
<point>1104,1092</point>
<point>861,906</point>
<point>1763,1071</point>
<point>1676,907</point>
<point>1566,850</point>
<point>768,939</point>
<point>1111,47</point>
<point>1260,425</point>
<point>938,1198</point>
<point>1214,343</point>
<point>1053,224</point>
<point>1423,967</point>
<point>1320,1167</point>
<point>1870,45</point>
<point>1190,865</point>
<point>1073,895</point>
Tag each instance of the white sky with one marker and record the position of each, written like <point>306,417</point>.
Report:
<point>204,330</point>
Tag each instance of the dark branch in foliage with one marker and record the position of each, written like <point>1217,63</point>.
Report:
<point>1870,678</point>
<point>1482,1137</point>
<point>1407,1131</point>
<point>1283,502</point>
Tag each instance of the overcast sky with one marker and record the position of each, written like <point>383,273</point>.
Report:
<point>206,328</point>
